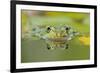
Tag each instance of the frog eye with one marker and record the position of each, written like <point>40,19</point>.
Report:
<point>48,29</point>
<point>67,28</point>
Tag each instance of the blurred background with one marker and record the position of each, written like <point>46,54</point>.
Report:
<point>34,49</point>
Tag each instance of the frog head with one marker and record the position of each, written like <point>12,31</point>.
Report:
<point>57,32</point>
<point>56,36</point>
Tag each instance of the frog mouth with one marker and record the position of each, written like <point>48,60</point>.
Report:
<point>58,39</point>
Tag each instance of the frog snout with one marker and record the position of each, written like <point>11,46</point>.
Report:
<point>58,34</point>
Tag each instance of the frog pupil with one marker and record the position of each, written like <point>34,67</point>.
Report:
<point>48,29</point>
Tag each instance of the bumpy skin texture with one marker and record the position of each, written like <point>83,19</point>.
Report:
<point>56,37</point>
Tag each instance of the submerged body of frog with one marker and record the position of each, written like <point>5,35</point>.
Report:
<point>56,36</point>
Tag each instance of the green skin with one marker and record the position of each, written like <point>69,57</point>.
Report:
<point>56,37</point>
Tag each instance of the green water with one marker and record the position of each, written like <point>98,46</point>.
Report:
<point>36,51</point>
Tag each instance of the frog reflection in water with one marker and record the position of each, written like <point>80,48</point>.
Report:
<point>58,37</point>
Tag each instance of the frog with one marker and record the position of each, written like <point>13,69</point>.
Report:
<point>56,36</point>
